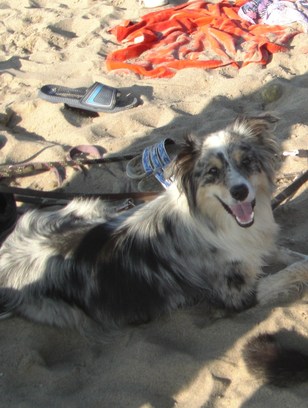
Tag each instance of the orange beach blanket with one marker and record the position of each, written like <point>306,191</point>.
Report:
<point>195,34</point>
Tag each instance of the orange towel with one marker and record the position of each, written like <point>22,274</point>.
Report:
<point>195,34</point>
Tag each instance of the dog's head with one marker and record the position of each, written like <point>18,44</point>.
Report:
<point>226,170</point>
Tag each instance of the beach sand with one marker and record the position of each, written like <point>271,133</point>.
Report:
<point>185,360</point>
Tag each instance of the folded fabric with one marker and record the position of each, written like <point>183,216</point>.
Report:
<point>285,12</point>
<point>254,10</point>
<point>273,12</point>
<point>195,34</point>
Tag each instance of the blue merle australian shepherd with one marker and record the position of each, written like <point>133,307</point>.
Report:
<point>203,239</point>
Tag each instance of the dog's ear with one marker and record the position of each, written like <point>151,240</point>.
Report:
<point>258,132</point>
<point>184,168</point>
<point>187,156</point>
<point>258,127</point>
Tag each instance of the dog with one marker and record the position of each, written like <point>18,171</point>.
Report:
<point>206,238</point>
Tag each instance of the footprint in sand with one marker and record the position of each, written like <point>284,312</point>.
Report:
<point>63,29</point>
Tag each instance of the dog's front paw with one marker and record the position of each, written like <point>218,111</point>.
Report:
<point>271,289</point>
<point>285,285</point>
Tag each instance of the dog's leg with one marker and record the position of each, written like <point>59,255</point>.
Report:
<point>285,283</point>
<point>42,310</point>
<point>60,314</point>
<point>286,256</point>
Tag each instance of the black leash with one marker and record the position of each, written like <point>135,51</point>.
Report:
<point>46,198</point>
<point>290,190</point>
<point>8,171</point>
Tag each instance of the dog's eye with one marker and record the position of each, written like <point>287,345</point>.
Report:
<point>246,161</point>
<point>213,171</point>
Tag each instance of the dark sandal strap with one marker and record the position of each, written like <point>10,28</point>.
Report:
<point>100,96</point>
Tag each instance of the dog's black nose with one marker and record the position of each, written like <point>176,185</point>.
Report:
<point>239,192</point>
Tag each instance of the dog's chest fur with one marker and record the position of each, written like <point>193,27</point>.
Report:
<point>222,263</point>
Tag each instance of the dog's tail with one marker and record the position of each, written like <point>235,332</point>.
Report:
<point>267,359</point>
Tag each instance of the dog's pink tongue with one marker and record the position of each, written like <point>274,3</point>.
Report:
<point>243,212</point>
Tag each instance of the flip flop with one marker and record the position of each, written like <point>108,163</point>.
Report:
<point>97,98</point>
<point>152,160</point>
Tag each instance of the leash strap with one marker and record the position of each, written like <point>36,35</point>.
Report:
<point>46,198</point>
<point>290,190</point>
<point>33,168</point>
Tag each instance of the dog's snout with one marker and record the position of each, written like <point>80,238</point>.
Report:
<point>239,192</point>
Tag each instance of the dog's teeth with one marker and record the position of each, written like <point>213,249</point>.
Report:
<point>243,212</point>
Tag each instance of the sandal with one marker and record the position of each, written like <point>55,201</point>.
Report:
<point>156,183</point>
<point>149,166</point>
<point>152,160</point>
<point>97,98</point>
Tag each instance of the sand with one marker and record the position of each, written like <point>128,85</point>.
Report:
<point>184,360</point>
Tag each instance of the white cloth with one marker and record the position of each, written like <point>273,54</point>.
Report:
<point>285,12</point>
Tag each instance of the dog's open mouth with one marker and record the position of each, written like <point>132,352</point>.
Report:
<point>242,212</point>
